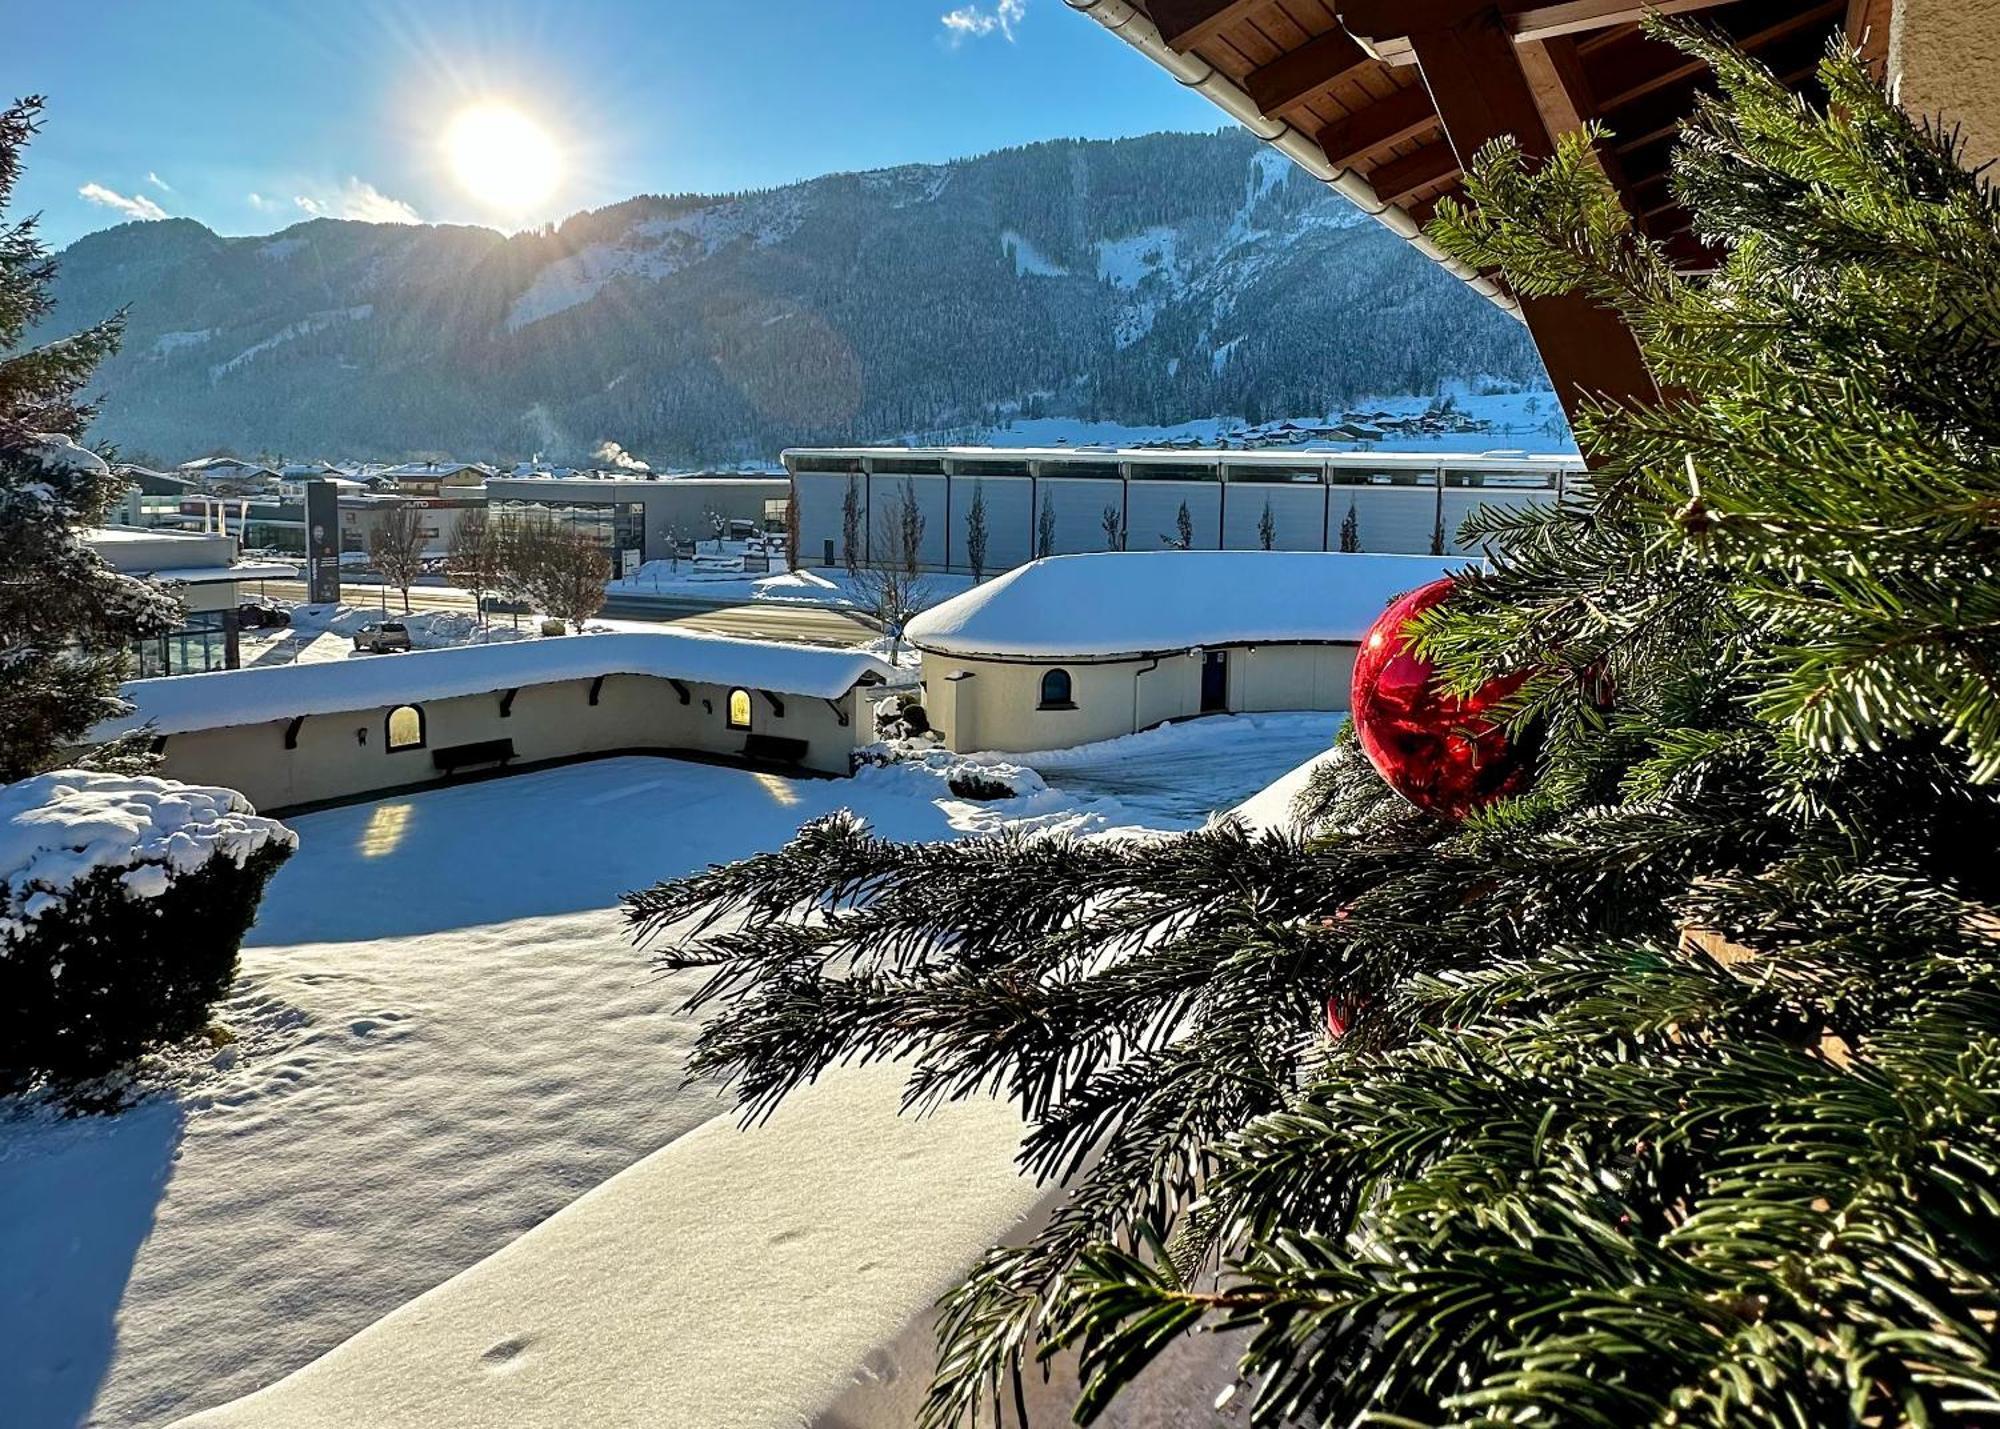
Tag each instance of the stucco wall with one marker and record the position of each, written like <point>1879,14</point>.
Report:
<point>344,755</point>
<point>996,704</point>
<point>1945,57</point>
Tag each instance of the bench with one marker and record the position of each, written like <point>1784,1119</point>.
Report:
<point>776,748</point>
<point>454,757</point>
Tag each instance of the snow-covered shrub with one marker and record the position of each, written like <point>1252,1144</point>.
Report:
<point>980,785</point>
<point>123,901</point>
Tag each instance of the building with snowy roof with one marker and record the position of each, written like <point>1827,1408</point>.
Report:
<point>299,735</point>
<point>1071,649</point>
<point>204,569</point>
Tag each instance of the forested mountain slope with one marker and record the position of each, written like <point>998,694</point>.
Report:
<point>1145,280</point>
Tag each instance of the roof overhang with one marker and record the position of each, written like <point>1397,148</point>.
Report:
<point>1387,100</point>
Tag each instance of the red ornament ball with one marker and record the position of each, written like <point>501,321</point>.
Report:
<point>1441,753</point>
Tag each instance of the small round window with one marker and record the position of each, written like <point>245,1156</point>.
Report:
<point>1056,690</point>
<point>739,709</point>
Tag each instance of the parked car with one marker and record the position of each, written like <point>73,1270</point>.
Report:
<point>256,615</point>
<point>383,636</point>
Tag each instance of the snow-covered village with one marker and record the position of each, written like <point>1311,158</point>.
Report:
<point>1181,713</point>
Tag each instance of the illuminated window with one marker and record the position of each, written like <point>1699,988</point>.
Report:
<point>1056,691</point>
<point>739,709</point>
<point>405,728</point>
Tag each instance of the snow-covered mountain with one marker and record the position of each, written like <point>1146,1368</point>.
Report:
<point>1150,280</point>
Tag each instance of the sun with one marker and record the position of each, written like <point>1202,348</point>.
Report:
<point>503,158</point>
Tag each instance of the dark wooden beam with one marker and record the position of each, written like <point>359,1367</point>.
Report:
<point>1183,24</point>
<point>1643,66</point>
<point>1419,169</point>
<point>1403,115</point>
<point>1481,92</point>
<point>1293,78</point>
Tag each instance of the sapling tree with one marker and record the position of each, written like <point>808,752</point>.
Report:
<point>1114,529</point>
<point>1045,527</point>
<point>396,546</point>
<point>472,556</point>
<point>1267,527</point>
<point>975,533</point>
<point>850,527</point>
<point>1350,529</point>
<point>892,585</point>
<point>1183,537</point>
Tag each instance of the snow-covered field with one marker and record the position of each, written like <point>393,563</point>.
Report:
<point>1521,422</point>
<point>685,579</point>
<point>445,1036</point>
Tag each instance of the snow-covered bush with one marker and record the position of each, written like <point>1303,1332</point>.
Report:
<point>123,901</point>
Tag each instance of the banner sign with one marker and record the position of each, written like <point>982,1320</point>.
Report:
<point>322,543</point>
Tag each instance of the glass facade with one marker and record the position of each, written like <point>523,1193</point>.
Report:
<point>197,647</point>
<point>617,526</point>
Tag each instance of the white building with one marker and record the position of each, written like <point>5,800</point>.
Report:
<point>1073,649</point>
<point>1401,502</point>
<point>306,734</point>
<point>204,568</point>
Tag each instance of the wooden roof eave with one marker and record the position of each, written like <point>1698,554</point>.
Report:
<point>1138,30</point>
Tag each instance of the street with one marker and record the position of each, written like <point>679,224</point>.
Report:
<point>803,624</point>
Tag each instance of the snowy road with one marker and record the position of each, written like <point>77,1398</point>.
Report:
<point>446,1036</point>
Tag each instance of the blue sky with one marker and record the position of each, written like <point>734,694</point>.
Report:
<point>251,115</point>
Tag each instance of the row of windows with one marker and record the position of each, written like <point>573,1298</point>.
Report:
<point>404,727</point>
<point>1305,473</point>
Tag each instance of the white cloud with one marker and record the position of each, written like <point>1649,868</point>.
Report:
<point>134,206</point>
<point>359,200</point>
<point>264,205</point>
<point>976,22</point>
<point>159,183</point>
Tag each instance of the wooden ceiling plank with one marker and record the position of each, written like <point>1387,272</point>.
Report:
<point>1619,84</point>
<point>1404,115</point>
<point>1291,80</point>
<point>1184,24</point>
<point>1397,179</point>
<point>1543,20</point>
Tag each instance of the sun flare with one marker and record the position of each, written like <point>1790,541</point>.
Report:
<point>503,158</point>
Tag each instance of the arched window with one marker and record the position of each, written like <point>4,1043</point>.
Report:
<point>1056,691</point>
<point>739,709</point>
<point>404,728</point>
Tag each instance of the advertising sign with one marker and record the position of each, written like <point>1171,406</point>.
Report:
<point>322,543</point>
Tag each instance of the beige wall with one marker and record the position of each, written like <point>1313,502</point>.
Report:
<point>1944,56</point>
<point>995,706</point>
<point>343,755</point>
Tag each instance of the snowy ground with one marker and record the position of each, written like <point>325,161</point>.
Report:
<point>683,580</point>
<point>326,632</point>
<point>1521,421</point>
<point>445,1036</point>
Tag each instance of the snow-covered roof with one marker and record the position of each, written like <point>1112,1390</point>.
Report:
<point>217,575</point>
<point>218,700</point>
<point>1117,604</point>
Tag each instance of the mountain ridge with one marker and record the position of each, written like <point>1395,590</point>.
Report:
<point>1149,280</point>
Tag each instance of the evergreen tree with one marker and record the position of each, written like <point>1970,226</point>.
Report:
<point>1350,529</point>
<point>1267,527</point>
<point>1045,528</point>
<point>975,532</point>
<point>1665,1092</point>
<point>67,619</point>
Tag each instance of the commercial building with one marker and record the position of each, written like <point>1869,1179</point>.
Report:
<point>292,735</point>
<point>205,568</point>
<point>1063,501</point>
<point>1073,649</point>
<point>640,519</point>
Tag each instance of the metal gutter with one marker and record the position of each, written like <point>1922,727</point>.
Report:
<point>1132,26</point>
